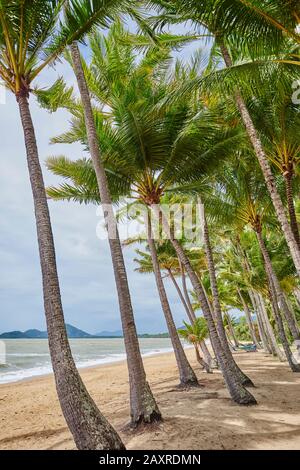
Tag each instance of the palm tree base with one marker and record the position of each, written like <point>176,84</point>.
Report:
<point>187,384</point>
<point>248,383</point>
<point>144,422</point>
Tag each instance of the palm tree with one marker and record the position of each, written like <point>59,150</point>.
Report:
<point>32,36</point>
<point>248,318</point>
<point>186,373</point>
<point>143,405</point>
<point>250,207</point>
<point>216,301</point>
<point>150,150</point>
<point>212,17</point>
<point>195,334</point>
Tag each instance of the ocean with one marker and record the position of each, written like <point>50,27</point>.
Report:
<point>27,358</point>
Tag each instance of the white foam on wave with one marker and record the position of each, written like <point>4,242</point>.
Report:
<point>22,374</point>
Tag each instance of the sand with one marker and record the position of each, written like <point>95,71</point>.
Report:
<point>202,418</point>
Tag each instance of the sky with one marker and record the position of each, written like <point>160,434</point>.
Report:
<point>84,264</point>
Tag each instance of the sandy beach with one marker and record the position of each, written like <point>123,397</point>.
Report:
<point>202,418</point>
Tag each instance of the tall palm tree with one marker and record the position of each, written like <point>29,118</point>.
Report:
<point>216,301</point>
<point>251,207</point>
<point>150,150</point>
<point>186,373</point>
<point>211,15</point>
<point>143,405</point>
<point>32,36</point>
<point>278,121</point>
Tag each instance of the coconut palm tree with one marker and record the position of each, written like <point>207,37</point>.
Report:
<point>144,408</point>
<point>195,334</point>
<point>212,17</point>
<point>186,373</point>
<point>32,36</point>
<point>250,207</point>
<point>151,149</point>
<point>278,121</point>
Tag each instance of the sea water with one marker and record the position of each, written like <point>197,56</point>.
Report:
<point>27,358</point>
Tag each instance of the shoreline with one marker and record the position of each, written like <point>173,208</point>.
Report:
<point>195,419</point>
<point>108,362</point>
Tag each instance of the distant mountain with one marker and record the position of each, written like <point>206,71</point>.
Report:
<point>110,334</point>
<point>72,331</point>
<point>119,334</point>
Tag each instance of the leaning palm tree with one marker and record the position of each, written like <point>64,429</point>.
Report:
<point>149,149</point>
<point>32,36</point>
<point>251,207</point>
<point>143,405</point>
<point>278,121</point>
<point>148,263</point>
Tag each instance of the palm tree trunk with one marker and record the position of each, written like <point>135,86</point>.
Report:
<point>291,208</point>
<point>261,326</point>
<point>266,170</point>
<point>268,328</point>
<point>294,329</point>
<point>245,380</point>
<point>208,301</point>
<point>248,318</point>
<point>206,353</point>
<point>258,302</point>
<point>143,405</point>
<point>296,293</point>
<point>232,332</point>
<point>186,293</point>
<point>203,364</point>
<point>191,316</point>
<point>210,361</point>
<point>88,426</point>
<point>275,300</point>
<point>186,373</point>
<point>237,391</point>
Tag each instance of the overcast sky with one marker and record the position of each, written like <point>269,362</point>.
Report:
<point>84,264</point>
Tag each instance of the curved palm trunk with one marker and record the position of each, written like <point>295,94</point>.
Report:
<point>210,361</point>
<point>280,327</point>
<point>294,329</point>
<point>143,405</point>
<point>249,320</point>
<point>203,364</point>
<point>88,426</point>
<point>186,373</point>
<point>232,332</point>
<point>268,328</point>
<point>237,391</point>
<point>259,304</point>
<point>274,298</point>
<point>266,170</point>
<point>207,356</point>
<point>291,208</point>
<point>245,380</point>
<point>191,316</point>
<point>292,324</point>
<point>262,331</point>
<point>186,293</point>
